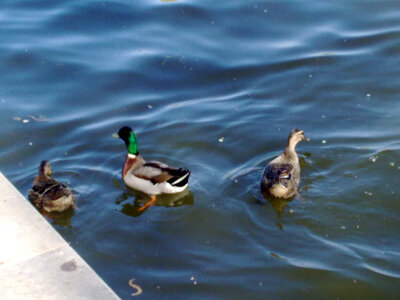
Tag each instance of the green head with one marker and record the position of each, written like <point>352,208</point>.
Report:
<point>130,139</point>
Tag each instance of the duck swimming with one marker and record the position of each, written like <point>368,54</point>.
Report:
<point>49,194</point>
<point>281,177</point>
<point>152,177</point>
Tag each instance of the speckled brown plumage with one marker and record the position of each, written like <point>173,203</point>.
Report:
<point>281,177</point>
<point>48,193</point>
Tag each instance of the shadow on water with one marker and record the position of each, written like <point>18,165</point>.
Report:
<point>62,218</point>
<point>140,200</point>
<point>59,218</point>
<point>278,204</point>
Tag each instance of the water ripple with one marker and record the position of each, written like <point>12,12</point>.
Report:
<point>217,87</point>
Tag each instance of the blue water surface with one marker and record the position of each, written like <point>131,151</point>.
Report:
<point>215,86</point>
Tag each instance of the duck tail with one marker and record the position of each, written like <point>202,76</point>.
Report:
<point>181,177</point>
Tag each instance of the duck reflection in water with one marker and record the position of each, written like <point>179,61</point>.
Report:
<point>278,204</point>
<point>60,218</point>
<point>140,205</point>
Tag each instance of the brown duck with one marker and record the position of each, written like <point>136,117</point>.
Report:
<point>281,177</point>
<point>49,194</point>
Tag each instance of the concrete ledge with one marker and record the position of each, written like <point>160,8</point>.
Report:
<point>35,261</point>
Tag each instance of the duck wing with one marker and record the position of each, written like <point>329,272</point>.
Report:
<point>275,173</point>
<point>50,190</point>
<point>158,172</point>
<point>40,186</point>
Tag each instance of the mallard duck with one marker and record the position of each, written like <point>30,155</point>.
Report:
<point>49,194</point>
<point>152,177</point>
<point>281,177</point>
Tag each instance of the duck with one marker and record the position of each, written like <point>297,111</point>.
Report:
<point>281,176</point>
<point>150,177</point>
<point>49,194</point>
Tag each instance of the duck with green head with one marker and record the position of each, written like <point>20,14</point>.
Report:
<point>152,177</point>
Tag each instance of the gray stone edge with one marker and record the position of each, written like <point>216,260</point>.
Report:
<point>12,192</point>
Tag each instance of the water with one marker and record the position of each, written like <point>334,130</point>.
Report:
<point>215,86</point>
